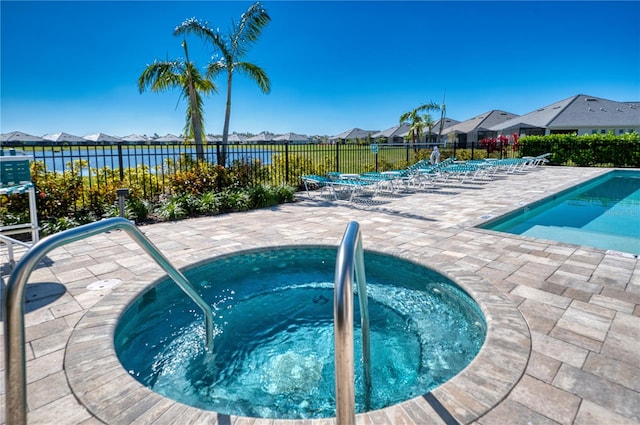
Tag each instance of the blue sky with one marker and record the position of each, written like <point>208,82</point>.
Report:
<point>73,66</point>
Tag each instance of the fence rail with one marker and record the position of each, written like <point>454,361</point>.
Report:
<point>150,165</point>
<point>164,159</point>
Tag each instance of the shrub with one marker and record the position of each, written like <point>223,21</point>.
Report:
<point>235,200</point>
<point>587,150</point>
<point>55,225</point>
<point>244,173</point>
<point>171,209</point>
<point>298,166</point>
<point>57,193</point>
<point>210,203</point>
<point>261,197</point>
<point>204,177</point>
<point>284,194</point>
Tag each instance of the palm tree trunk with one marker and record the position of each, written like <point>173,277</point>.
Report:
<point>222,153</point>
<point>413,141</point>
<point>195,123</point>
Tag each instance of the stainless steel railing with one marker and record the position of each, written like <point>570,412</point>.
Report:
<point>13,311</point>
<point>350,262</point>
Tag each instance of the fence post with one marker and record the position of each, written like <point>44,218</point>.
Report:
<point>286,162</point>
<point>120,161</point>
<point>338,155</point>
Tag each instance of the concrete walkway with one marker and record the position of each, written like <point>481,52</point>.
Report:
<point>563,344</point>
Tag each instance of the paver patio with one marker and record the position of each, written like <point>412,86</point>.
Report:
<point>564,339</point>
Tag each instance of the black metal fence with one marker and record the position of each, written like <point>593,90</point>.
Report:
<point>284,162</point>
<point>150,166</point>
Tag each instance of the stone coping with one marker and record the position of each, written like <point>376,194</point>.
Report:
<point>103,386</point>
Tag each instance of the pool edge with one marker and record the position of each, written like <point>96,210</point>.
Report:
<point>102,385</point>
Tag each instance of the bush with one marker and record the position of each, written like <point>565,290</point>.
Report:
<point>55,225</point>
<point>204,177</point>
<point>171,209</point>
<point>209,203</point>
<point>245,173</point>
<point>57,193</point>
<point>298,166</point>
<point>608,150</point>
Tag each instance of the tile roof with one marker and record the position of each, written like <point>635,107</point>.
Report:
<point>480,122</point>
<point>578,111</point>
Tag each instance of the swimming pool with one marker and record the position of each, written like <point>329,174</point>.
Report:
<point>273,350</point>
<point>603,213</point>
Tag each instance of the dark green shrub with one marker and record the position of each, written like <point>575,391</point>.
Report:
<point>284,194</point>
<point>204,177</point>
<point>244,173</point>
<point>56,225</point>
<point>608,150</point>
<point>261,197</point>
<point>210,202</point>
<point>171,209</point>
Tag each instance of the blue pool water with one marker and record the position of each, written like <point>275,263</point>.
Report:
<point>602,213</point>
<point>273,349</point>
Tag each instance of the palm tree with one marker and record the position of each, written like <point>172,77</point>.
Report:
<point>167,75</point>
<point>428,122</point>
<point>418,121</point>
<point>232,49</point>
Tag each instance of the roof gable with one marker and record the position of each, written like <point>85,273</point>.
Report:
<point>396,130</point>
<point>354,133</point>
<point>538,118</point>
<point>480,122</point>
<point>591,111</point>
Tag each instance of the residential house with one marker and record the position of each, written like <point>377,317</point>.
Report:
<point>477,128</point>
<point>580,114</point>
<point>395,134</point>
<point>438,136</point>
<point>353,134</point>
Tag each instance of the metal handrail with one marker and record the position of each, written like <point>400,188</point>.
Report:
<point>350,262</point>
<point>13,311</point>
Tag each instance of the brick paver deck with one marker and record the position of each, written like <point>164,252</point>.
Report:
<point>563,344</point>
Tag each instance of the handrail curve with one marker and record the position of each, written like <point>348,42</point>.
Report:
<point>13,308</point>
<point>350,263</point>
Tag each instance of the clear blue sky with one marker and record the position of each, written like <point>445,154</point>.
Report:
<point>73,66</point>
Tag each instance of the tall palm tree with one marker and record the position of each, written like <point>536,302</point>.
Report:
<point>168,75</point>
<point>232,49</point>
<point>416,120</point>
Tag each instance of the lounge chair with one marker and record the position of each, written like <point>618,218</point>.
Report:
<point>336,182</point>
<point>320,182</point>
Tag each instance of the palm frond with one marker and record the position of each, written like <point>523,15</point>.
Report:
<point>257,74</point>
<point>215,68</point>
<point>160,76</point>
<point>431,106</point>
<point>248,29</point>
<point>194,26</point>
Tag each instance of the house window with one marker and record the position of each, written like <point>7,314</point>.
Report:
<point>594,131</point>
<point>603,131</point>
<point>621,131</point>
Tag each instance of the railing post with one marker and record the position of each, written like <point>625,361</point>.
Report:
<point>286,163</point>
<point>350,263</point>
<point>120,161</point>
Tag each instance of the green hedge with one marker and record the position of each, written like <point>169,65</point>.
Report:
<point>599,150</point>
